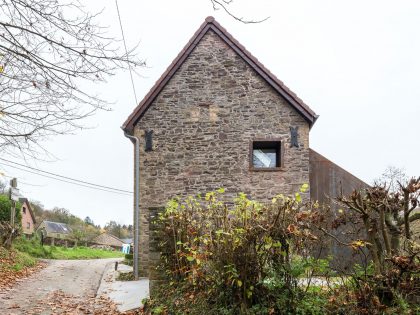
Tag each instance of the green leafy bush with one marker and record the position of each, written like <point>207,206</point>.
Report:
<point>244,257</point>
<point>5,208</point>
<point>237,258</point>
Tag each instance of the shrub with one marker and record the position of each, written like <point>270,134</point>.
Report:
<point>239,257</point>
<point>5,208</point>
<point>389,277</point>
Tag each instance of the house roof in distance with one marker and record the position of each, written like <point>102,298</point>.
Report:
<point>57,227</point>
<point>211,24</point>
<point>127,240</point>
<point>107,239</point>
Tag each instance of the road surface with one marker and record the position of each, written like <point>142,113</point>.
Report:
<point>63,287</point>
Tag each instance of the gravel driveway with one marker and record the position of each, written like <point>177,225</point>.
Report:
<point>79,278</point>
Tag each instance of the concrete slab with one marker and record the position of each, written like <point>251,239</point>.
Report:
<point>126,294</point>
<point>124,268</point>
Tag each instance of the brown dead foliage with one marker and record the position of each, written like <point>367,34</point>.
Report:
<point>8,275</point>
<point>60,303</point>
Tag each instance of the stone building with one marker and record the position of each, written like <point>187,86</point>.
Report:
<point>55,233</point>
<point>218,118</point>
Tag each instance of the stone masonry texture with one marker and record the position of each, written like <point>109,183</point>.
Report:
<point>203,122</point>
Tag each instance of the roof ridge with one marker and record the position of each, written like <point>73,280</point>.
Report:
<point>54,222</point>
<point>211,23</point>
<point>111,235</point>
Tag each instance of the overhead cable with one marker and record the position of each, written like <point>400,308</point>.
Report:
<point>69,178</point>
<point>69,182</point>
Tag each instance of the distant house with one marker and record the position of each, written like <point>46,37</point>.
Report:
<point>127,240</point>
<point>108,240</point>
<point>54,231</point>
<point>28,217</point>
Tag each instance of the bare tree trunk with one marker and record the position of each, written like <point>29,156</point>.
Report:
<point>406,214</point>
<point>372,246</point>
<point>384,231</point>
<point>395,232</point>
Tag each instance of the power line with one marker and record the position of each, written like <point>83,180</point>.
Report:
<point>65,181</point>
<point>126,52</point>
<point>69,178</point>
<point>23,183</point>
<point>69,182</point>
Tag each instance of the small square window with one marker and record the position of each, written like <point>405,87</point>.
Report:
<point>23,209</point>
<point>28,225</point>
<point>266,154</point>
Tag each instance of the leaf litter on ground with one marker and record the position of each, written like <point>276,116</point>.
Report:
<point>58,302</point>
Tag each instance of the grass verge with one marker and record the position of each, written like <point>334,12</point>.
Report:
<point>81,253</point>
<point>33,248</point>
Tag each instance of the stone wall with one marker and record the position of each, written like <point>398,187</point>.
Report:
<point>203,122</point>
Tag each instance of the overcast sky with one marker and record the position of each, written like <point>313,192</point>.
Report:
<point>355,63</point>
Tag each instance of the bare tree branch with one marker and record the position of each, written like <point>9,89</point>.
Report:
<point>48,49</point>
<point>223,4</point>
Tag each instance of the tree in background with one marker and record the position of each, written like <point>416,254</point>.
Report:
<point>89,221</point>
<point>118,230</point>
<point>3,186</point>
<point>392,177</point>
<point>38,209</point>
<point>78,235</point>
<point>47,50</point>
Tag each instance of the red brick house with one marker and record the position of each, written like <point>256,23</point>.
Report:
<point>28,217</point>
<point>218,118</point>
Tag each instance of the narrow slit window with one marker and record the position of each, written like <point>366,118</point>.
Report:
<point>266,154</point>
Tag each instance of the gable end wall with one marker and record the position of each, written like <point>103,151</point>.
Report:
<point>203,122</point>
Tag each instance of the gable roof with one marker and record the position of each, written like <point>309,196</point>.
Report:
<point>211,24</point>
<point>107,239</point>
<point>56,227</point>
<point>28,206</point>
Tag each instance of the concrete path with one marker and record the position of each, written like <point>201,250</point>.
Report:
<point>79,278</point>
<point>127,295</point>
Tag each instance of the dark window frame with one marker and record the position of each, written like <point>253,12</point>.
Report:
<point>276,143</point>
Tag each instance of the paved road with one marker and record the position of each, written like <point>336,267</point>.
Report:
<point>78,278</point>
